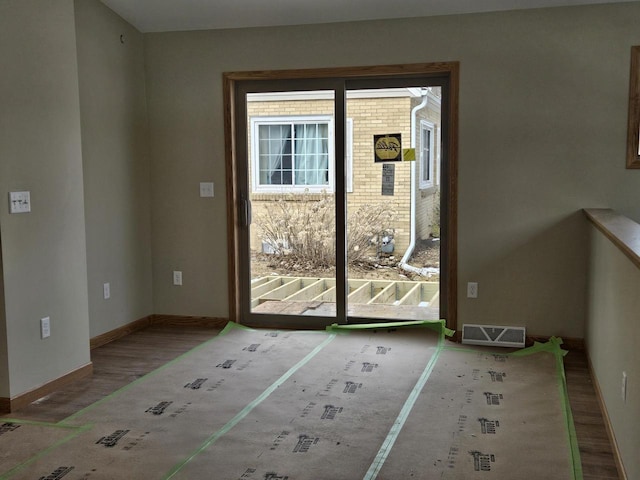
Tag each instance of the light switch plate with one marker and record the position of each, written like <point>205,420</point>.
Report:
<point>19,202</point>
<point>206,189</point>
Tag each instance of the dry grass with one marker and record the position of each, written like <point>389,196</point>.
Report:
<point>301,231</point>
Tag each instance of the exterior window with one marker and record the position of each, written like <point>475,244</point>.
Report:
<point>427,136</point>
<point>292,154</point>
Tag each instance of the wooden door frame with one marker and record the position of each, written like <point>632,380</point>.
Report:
<point>451,70</point>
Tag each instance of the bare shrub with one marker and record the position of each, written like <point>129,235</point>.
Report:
<point>300,228</point>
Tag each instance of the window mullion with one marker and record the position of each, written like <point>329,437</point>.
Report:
<point>340,120</point>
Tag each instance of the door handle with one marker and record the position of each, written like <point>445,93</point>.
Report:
<point>246,212</point>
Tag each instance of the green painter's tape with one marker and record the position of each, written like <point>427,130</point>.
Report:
<point>246,410</point>
<point>387,445</point>
<point>230,326</point>
<point>552,346</point>
<point>75,432</point>
<point>448,332</point>
<point>227,329</point>
<point>568,416</point>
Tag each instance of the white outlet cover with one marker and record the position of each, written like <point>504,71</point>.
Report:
<point>106,290</point>
<point>45,327</point>
<point>177,277</point>
<point>19,202</point>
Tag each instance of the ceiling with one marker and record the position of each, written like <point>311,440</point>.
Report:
<point>174,15</point>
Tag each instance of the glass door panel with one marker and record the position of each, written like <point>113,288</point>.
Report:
<point>393,145</point>
<point>291,236</point>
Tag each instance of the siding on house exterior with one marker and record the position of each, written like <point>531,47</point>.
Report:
<point>369,116</point>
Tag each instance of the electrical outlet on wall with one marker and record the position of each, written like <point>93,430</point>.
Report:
<point>106,291</point>
<point>472,290</point>
<point>177,277</point>
<point>45,327</point>
<point>624,387</point>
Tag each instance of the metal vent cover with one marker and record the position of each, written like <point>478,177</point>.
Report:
<point>500,336</point>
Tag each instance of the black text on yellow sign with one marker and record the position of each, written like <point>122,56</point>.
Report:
<point>387,147</point>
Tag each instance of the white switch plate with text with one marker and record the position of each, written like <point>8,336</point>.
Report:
<point>19,202</point>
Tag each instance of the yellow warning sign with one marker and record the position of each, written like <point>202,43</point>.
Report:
<point>388,147</point>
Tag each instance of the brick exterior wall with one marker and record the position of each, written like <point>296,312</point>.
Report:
<point>374,116</point>
<point>370,116</point>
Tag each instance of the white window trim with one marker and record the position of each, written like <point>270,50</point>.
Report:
<point>256,121</point>
<point>348,152</point>
<point>425,125</point>
<point>438,162</point>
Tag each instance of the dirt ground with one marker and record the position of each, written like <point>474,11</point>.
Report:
<point>385,267</point>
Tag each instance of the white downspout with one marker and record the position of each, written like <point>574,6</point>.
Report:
<point>412,241</point>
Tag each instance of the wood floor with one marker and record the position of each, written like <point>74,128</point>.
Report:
<point>125,360</point>
<point>595,448</point>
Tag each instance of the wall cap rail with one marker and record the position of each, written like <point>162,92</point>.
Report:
<point>622,231</point>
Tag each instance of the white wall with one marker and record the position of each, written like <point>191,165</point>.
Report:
<point>115,159</point>
<point>543,108</point>
<point>43,252</point>
<point>613,332</point>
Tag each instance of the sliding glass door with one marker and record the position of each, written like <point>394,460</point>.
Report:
<point>291,196</point>
<point>339,199</point>
<point>393,199</point>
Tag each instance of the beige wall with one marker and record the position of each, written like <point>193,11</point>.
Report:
<point>543,107</point>
<point>613,331</point>
<point>43,252</point>
<point>115,166</point>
